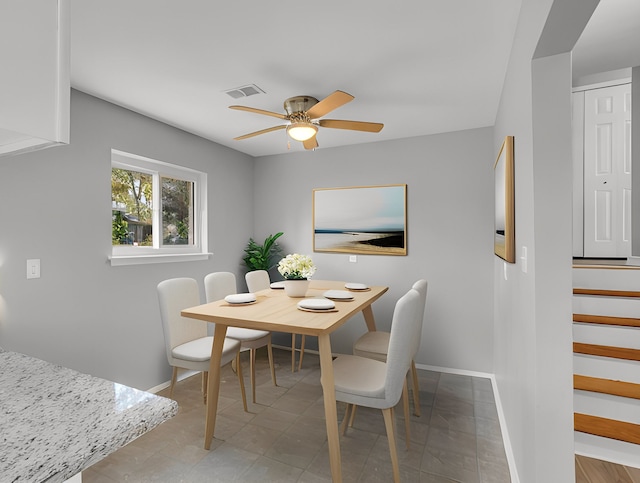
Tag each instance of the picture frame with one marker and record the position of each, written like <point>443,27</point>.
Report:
<point>368,220</point>
<point>504,222</point>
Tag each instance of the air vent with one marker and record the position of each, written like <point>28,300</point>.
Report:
<point>244,91</point>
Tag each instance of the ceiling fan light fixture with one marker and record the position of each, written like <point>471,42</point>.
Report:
<point>301,131</point>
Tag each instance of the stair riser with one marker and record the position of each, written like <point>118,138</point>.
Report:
<point>607,406</point>
<point>610,335</point>
<point>616,307</point>
<point>606,368</point>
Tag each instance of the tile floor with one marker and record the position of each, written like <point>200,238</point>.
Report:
<point>283,437</point>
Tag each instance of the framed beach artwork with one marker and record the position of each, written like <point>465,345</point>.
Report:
<point>369,220</point>
<point>504,239</point>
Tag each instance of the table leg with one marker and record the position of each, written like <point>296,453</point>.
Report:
<point>213,387</point>
<point>368,318</point>
<point>330,411</point>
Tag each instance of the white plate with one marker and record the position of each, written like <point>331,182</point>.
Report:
<point>240,298</point>
<point>277,285</point>
<point>356,286</point>
<point>338,295</point>
<point>317,304</point>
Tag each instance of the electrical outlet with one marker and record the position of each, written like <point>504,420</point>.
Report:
<point>353,258</point>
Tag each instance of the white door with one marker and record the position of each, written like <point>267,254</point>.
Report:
<point>607,172</point>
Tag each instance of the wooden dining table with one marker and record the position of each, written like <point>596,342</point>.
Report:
<point>274,311</point>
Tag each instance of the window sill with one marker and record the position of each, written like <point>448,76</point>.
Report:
<point>119,260</point>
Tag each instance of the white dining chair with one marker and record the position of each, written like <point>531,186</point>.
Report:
<point>186,341</point>
<point>362,381</point>
<point>374,345</point>
<point>218,285</point>
<point>259,280</point>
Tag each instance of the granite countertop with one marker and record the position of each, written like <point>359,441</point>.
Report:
<point>55,422</point>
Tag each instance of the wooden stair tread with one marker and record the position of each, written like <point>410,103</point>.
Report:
<point>606,386</point>
<point>606,320</point>
<point>606,293</point>
<point>597,425</point>
<point>607,351</point>
<point>607,428</point>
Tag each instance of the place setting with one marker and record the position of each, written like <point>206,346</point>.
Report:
<point>240,299</point>
<point>338,295</point>
<point>317,305</point>
<point>356,287</point>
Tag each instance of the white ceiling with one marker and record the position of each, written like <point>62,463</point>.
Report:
<point>420,67</point>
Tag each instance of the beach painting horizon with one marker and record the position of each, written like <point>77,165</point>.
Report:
<point>368,220</point>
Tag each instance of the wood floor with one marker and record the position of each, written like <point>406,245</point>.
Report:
<point>589,470</point>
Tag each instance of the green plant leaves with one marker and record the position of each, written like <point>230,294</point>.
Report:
<point>261,257</point>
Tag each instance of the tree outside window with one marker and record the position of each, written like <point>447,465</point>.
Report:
<point>158,211</point>
<point>177,212</point>
<point>132,205</point>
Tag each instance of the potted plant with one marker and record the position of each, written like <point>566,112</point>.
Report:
<point>297,270</point>
<point>261,257</point>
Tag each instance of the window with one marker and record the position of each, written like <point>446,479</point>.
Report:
<point>158,211</point>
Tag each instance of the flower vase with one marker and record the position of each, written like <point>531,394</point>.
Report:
<point>296,288</point>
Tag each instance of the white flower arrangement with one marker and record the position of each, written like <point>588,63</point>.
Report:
<point>296,267</point>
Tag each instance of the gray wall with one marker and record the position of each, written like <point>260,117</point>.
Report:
<point>55,205</point>
<point>87,315</point>
<point>103,320</point>
<point>533,365</point>
<point>449,181</point>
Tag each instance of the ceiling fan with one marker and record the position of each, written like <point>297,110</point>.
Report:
<point>304,113</point>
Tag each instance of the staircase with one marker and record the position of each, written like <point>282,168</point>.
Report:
<point>606,333</point>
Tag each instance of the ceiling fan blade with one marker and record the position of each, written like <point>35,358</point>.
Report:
<point>329,103</point>
<point>250,135</point>
<point>352,125</point>
<point>310,143</point>
<point>259,111</point>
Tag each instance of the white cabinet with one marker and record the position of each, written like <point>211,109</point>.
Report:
<point>35,66</point>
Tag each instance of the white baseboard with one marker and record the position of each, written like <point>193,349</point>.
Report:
<point>164,385</point>
<point>505,433</point>
<point>461,372</point>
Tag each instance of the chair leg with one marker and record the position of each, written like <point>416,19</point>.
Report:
<point>353,416</point>
<point>301,352</point>
<point>416,389</point>
<point>293,352</point>
<point>174,378</point>
<point>241,380</point>
<point>391,437</point>
<point>405,409</point>
<point>252,369</point>
<point>345,420</point>
<point>205,383</point>
<point>273,367</point>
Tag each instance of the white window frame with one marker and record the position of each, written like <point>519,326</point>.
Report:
<point>136,255</point>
